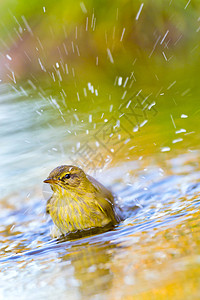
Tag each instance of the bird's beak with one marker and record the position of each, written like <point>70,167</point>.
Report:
<point>49,180</point>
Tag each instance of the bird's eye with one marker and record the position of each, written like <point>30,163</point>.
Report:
<point>67,176</point>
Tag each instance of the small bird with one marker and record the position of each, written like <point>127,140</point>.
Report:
<point>79,202</point>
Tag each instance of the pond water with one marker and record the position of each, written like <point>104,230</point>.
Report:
<point>124,105</point>
<point>157,245</point>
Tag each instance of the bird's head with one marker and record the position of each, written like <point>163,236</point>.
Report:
<point>67,177</point>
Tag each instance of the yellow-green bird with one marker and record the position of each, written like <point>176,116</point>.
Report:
<point>79,202</point>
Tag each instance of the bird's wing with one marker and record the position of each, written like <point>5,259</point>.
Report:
<point>106,201</point>
<point>101,189</point>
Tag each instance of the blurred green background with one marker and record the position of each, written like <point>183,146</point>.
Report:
<point>77,63</point>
